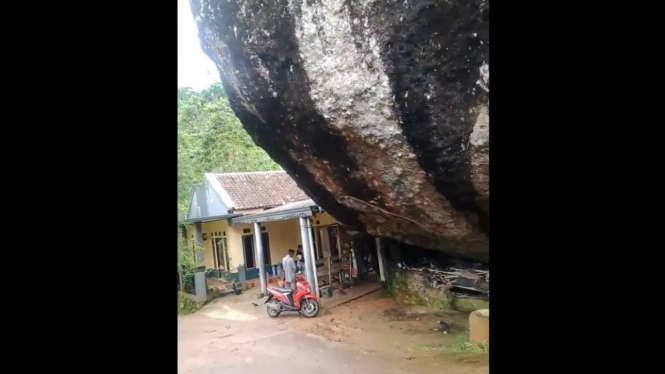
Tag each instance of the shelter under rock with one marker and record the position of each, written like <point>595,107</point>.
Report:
<point>379,110</point>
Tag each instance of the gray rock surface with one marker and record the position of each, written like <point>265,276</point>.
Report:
<point>379,109</point>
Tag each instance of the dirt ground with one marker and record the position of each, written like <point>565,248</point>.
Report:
<point>379,325</point>
<point>373,334</point>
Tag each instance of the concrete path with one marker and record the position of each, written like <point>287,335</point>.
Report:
<point>230,335</point>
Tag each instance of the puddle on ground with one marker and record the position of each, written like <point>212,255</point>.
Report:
<point>230,315</point>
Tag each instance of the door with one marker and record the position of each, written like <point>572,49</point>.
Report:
<point>225,248</point>
<point>220,254</point>
<point>316,244</point>
<point>248,251</point>
<point>324,242</point>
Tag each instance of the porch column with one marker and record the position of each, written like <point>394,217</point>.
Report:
<point>258,247</point>
<point>199,253</point>
<point>307,250</point>
<point>313,250</point>
<point>379,256</point>
<point>198,233</point>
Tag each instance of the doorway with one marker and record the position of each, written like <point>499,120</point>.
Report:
<point>265,240</point>
<point>332,237</point>
<point>248,251</point>
<point>219,246</point>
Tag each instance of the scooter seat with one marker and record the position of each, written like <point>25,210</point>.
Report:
<point>282,289</point>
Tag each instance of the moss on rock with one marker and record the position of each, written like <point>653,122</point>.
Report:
<point>410,287</point>
<point>469,304</point>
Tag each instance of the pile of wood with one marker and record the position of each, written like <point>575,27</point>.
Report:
<point>463,279</point>
<point>217,284</point>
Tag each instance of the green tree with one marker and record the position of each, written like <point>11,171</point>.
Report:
<point>211,140</point>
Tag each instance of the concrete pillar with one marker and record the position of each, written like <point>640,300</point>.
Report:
<point>311,247</point>
<point>198,235</point>
<point>199,253</point>
<point>379,256</point>
<point>258,247</point>
<point>200,287</point>
<point>242,276</point>
<point>307,250</point>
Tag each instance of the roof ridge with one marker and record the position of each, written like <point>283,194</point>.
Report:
<point>259,189</point>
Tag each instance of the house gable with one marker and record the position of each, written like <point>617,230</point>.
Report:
<point>206,202</point>
<point>216,205</point>
<point>213,183</point>
<point>194,210</point>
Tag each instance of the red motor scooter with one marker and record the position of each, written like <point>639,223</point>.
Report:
<point>302,300</point>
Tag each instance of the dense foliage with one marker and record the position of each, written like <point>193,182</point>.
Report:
<point>211,140</point>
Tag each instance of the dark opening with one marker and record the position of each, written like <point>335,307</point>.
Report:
<point>266,247</point>
<point>332,237</point>
<point>318,251</point>
<point>464,278</point>
<point>248,251</point>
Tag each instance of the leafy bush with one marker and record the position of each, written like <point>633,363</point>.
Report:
<point>186,306</point>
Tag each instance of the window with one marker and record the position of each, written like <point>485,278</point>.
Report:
<point>208,195</point>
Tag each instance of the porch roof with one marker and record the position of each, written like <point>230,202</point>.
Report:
<point>304,208</point>
<point>210,219</point>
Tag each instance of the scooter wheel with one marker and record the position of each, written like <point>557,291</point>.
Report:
<point>272,312</point>
<point>310,308</point>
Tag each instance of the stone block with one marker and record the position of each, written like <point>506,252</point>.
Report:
<point>479,326</point>
<point>468,304</point>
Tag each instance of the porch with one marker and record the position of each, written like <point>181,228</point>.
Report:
<point>336,259</point>
<point>347,295</point>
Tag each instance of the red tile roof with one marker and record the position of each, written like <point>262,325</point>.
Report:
<point>263,189</point>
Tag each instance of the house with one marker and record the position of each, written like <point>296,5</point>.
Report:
<point>227,211</point>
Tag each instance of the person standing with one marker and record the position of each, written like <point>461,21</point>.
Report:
<point>289,270</point>
<point>300,259</point>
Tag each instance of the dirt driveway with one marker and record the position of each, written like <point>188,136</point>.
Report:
<point>372,335</point>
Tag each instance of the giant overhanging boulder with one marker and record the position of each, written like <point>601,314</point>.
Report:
<point>379,109</point>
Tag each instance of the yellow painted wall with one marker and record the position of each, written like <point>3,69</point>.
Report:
<point>324,219</point>
<point>235,245</point>
<point>282,235</point>
<point>212,229</point>
<point>190,231</point>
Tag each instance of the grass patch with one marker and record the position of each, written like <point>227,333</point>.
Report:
<point>186,306</point>
<point>462,345</point>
